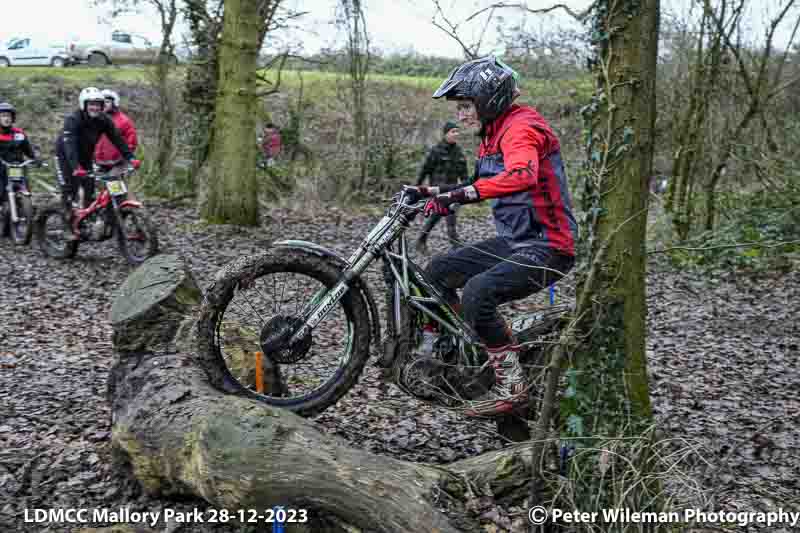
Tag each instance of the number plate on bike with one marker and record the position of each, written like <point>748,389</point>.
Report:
<point>15,172</point>
<point>116,187</point>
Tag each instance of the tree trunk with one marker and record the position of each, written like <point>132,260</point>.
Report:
<point>165,136</point>
<point>181,434</point>
<point>611,393</point>
<point>232,186</point>
<point>201,84</point>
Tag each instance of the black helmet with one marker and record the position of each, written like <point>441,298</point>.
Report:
<point>490,83</point>
<point>5,107</point>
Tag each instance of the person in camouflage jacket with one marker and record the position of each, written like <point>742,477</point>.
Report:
<point>445,164</point>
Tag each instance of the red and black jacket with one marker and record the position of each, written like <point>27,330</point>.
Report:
<point>519,168</point>
<point>76,143</point>
<point>14,145</point>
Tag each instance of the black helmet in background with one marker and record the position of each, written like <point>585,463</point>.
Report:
<point>488,82</point>
<point>5,107</point>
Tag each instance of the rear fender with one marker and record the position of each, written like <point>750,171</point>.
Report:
<point>357,283</point>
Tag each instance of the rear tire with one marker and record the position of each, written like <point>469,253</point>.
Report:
<point>51,244</point>
<point>126,234</point>
<point>21,231</point>
<point>4,62</point>
<point>236,276</point>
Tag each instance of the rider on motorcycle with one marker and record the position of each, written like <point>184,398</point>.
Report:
<point>75,146</point>
<point>519,169</point>
<point>105,153</point>
<point>14,144</point>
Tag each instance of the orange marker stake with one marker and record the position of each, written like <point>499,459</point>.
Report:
<point>259,373</point>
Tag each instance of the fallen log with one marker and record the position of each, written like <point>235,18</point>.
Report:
<point>183,433</point>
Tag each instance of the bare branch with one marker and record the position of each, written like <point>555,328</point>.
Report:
<point>470,53</point>
<point>580,16</point>
<point>722,246</point>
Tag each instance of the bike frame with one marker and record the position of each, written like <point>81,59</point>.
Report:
<point>409,283</point>
<point>104,197</point>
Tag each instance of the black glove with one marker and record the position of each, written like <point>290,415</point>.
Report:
<point>415,194</point>
<point>442,204</point>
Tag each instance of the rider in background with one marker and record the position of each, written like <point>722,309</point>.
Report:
<point>520,171</point>
<point>76,144</point>
<point>105,153</point>
<point>445,164</point>
<point>271,143</point>
<point>14,144</point>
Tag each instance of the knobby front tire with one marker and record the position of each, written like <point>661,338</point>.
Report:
<point>245,273</point>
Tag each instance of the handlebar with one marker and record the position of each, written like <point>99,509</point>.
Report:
<point>24,164</point>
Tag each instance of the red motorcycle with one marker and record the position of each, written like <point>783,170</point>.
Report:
<point>16,213</point>
<point>111,214</point>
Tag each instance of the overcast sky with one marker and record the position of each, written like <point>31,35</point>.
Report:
<point>394,25</point>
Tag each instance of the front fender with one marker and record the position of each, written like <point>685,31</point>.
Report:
<point>357,283</point>
<point>131,203</point>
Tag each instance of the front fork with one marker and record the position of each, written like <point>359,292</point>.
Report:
<point>378,239</point>
<point>12,205</point>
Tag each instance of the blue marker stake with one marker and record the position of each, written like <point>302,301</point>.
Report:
<point>277,525</point>
<point>552,294</point>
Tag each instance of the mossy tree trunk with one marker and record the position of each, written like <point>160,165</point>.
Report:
<point>232,188</point>
<point>609,392</point>
<point>165,137</point>
<point>205,23</point>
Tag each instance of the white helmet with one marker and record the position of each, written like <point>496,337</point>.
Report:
<point>108,94</point>
<point>90,94</point>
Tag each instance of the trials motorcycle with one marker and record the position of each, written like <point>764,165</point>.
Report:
<point>293,326</point>
<point>111,214</point>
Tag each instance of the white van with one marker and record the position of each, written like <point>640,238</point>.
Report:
<point>27,51</point>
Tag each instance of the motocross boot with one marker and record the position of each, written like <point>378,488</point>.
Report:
<point>510,390</point>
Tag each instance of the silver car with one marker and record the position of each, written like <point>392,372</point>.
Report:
<point>29,51</point>
<point>122,48</point>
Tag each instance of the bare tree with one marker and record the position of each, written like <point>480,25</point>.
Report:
<point>167,11</point>
<point>754,73</point>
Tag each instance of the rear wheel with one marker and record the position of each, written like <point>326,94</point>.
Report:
<point>254,305</point>
<point>136,236</point>
<point>4,62</point>
<point>22,229</point>
<point>50,233</point>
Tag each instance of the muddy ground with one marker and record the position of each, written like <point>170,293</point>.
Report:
<point>723,356</point>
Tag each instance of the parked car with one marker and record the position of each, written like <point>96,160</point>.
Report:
<point>21,51</point>
<point>121,48</point>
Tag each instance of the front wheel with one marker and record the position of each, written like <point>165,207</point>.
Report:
<point>136,235</point>
<point>50,233</point>
<point>254,306</point>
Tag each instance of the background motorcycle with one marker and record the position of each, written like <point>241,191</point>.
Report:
<point>111,214</point>
<point>16,214</point>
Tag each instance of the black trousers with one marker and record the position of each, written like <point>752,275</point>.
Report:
<point>492,273</point>
<point>69,184</point>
